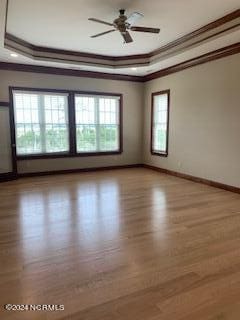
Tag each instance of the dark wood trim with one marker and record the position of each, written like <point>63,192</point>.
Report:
<point>194,179</point>
<point>161,170</point>
<point>80,54</point>
<point>98,93</point>
<point>13,134</point>
<point>4,104</point>
<point>6,18</point>
<point>66,91</point>
<point>121,124</point>
<point>153,152</point>
<point>56,155</point>
<point>71,60</point>
<point>72,125</point>
<point>81,170</point>
<point>95,154</point>
<point>67,155</point>
<point>54,90</point>
<point>211,56</point>
<point>7,176</point>
<point>207,57</point>
<point>68,72</point>
<point>127,64</point>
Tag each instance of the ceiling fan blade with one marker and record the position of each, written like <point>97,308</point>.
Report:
<point>102,33</point>
<point>100,21</point>
<point>127,37</point>
<point>143,29</point>
<point>134,17</point>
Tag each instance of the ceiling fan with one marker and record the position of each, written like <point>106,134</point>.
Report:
<point>124,24</point>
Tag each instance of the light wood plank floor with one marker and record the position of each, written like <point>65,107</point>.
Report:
<point>128,244</point>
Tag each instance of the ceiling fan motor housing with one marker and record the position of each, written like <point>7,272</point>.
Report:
<point>122,12</point>
<point>120,23</point>
<point>125,24</point>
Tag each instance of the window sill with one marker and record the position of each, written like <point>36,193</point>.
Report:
<point>160,154</point>
<point>103,153</point>
<point>67,155</point>
<point>44,156</point>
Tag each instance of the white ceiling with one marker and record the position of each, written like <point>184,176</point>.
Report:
<point>64,24</point>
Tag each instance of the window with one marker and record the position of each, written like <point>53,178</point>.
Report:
<point>41,122</point>
<point>52,124</point>
<point>97,123</point>
<point>160,122</point>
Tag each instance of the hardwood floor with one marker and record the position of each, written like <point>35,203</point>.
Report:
<point>128,244</point>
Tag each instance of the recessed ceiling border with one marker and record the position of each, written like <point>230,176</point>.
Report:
<point>210,56</point>
<point>226,24</point>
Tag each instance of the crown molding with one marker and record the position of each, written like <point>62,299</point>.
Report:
<point>68,72</point>
<point>226,24</point>
<point>207,57</point>
<point>233,18</point>
<point>210,56</point>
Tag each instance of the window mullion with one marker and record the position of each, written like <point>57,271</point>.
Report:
<point>97,124</point>
<point>72,124</point>
<point>41,112</point>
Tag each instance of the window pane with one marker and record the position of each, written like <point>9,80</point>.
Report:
<point>41,122</point>
<point>56,123</point>
<point>85,110</point>
<point>108,137</point>
<point>108,110</point>
<point>97,123</point>
<point>56,138</point>
<point>28,139</point>
<point>160,137</point>
<point>159,125</point>
<point>86,138</point>
<point>161,101</point>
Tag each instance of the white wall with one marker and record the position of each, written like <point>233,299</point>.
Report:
<point>132,117</point>
<point>204,136</point>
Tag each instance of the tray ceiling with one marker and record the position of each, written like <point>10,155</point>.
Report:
<point>64,25</point>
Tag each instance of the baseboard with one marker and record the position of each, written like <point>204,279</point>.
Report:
<point>57,172</point>
<point>11,176</point>
<point>7,176</point>
<point>195,179</point>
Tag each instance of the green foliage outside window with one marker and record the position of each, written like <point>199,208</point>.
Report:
<point>161,139</point>
<point>87,138</point>
<point>56,140</point>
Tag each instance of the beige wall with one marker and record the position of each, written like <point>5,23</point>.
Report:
<point>204,121</point>
<point>5,141</point>
<point>132,117</point>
